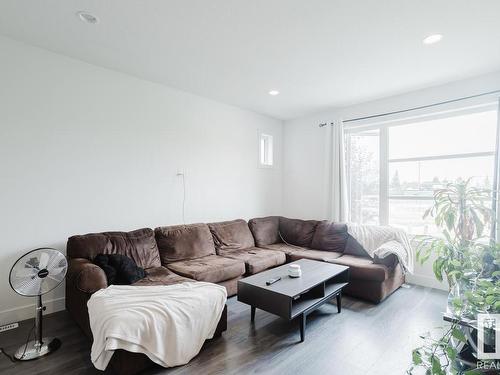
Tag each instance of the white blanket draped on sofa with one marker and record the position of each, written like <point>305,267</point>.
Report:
<point>169,324</point>
<point>380,241</point>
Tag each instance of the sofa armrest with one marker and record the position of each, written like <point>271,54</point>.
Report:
<point>390,261</point>
<point>86,276</point>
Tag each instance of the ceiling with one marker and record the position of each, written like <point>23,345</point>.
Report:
<point>317,53</point>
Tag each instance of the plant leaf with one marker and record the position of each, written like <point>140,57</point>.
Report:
<point>417,357</point>
<point>456,333</point>
<point>436,366</point>
<point>451,352</point>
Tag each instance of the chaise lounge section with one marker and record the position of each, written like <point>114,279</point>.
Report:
<point>85,278</point>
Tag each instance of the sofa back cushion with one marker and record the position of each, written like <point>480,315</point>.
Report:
<point>265,230</point>
<point>140,245</point>
<point>184,242</point>
<point>231,235</point>
<point>297,232</point>
<point>353,247</point>
<point>330,237</point>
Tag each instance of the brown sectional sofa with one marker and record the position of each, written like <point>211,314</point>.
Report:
<point>370,279</point>
<point>221,253</point>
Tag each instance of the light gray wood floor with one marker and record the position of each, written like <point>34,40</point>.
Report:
<point>363,339</point>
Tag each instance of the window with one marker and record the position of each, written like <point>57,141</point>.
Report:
<point>363,165</point>
<point>394,169</point>
<point>266,150</point>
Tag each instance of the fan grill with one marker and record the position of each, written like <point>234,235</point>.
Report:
<point>38,272</point>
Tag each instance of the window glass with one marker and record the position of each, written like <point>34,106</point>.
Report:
<point>408,214</point>
<point>363,176</point>
<point>422,178</point>
<point>266,150</point>
<point>421,158</point>
<point>452,135</point>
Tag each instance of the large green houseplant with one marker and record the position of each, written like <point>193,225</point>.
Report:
<point>469,262</point>
<point>463,213</point>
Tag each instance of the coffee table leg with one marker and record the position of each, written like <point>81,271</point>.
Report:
<point>339,302</point>
<point>252,314</point>
<point>302,327</point>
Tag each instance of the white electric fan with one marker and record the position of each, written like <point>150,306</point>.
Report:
<point>34,274</point>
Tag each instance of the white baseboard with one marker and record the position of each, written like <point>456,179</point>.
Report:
<point>28,311</point>
<point>57,304</point>
<point>427,281</point>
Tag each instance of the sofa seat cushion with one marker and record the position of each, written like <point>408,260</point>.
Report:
<point>265,230</point>
<point>330,237</point>
<point>184,242</point>
<point>363,268</point>
<point>256,260</point>
<point>140,245</point>
<point>161,276</point>
<point>297,232</point>
<point>283,247</point>
<point>325,256</point>
<point>231,235</point>
<point>212,268</point>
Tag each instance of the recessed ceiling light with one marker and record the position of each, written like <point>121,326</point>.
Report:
<point>274,92</point>
<point>431,39</point>
<point>87,17</point>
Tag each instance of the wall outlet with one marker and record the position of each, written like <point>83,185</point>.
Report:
<point>180,172</point>
<point>8,327</point>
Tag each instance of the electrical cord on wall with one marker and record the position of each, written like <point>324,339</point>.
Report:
<point>183,197</point>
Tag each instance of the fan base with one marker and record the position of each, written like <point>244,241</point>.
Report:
<point>34,350</point>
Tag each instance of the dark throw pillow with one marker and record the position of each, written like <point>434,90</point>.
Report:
<point>330,237</point>
<point>119,269</point>
<point>353,247</point>
<point>297,232</point>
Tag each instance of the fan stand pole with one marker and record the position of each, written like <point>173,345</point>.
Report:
<point>40,346</point>
<point>38,323</point>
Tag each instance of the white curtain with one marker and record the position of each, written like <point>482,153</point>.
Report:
<point>339,206</point>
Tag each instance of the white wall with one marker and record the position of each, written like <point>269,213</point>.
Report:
<point>87,149</point>
<point>306,148</point>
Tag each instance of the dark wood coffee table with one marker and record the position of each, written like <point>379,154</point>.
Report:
<point>292,298</point>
